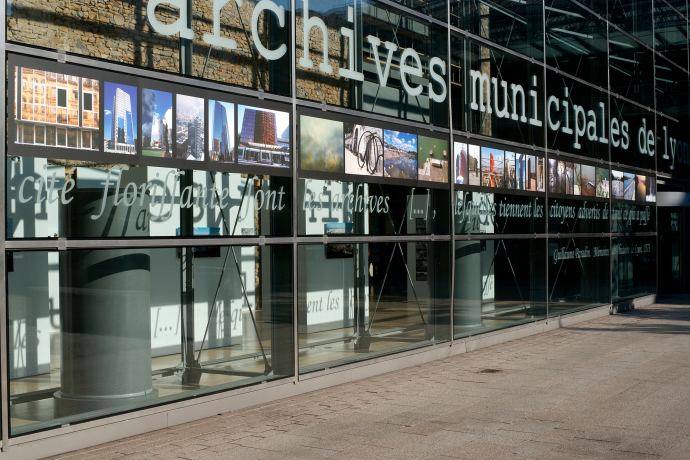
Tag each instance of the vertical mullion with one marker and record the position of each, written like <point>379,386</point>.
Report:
<point>293,90</point>
<point>4,371</point>
<point>546,158</point>
<point>451,172</point>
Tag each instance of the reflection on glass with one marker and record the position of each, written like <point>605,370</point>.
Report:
<point>360,301</point>
<point>498,283</point>
<point>578,274</point>
<point>97,332</point>
<point>222,204</point>
<point>633,267</point>
<point>370,209</point>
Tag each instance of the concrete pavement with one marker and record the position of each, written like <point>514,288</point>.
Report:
<point>613,388</point>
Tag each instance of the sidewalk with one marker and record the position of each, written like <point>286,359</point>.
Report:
<point>613,388</point>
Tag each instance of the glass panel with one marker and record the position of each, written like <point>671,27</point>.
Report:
<point>578,274</point>
<point>636,145</point>
<point>635,218</point>
<point>576,42</point>
<point>514,25</point>
<point>80,349</point>
<point>355,208</point>
<point>361,301</point>
<point>577,117</point>
<point>671,85</point>
<point>498,283</point>
<point>433,8</point>
<point>496,94</point>
<point>478,212</point>
<point>672,146</point>
<point>634,17</point>
<point>396,67</point>
<point>50,198</point>
<point>670,34</point>
<point>631,68</point>
<point>633,267</point>
<point>237,45</point>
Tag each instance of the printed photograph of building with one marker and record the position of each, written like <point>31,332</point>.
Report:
<point>474,164</point>
<point>602,183</point>
<point>629,186</point>
<point>617,185</point>
<point>221,139</point>
<point>156,123</point>
<point>577,178</point>
<point>520,171</point>
<point>492,168</point>
<point>432,159</point>
<point>651,189</point>
<point>553,176</point>
<point>569,179</point>
<point>57,110</point>
<point>264,137</point>
<point>399,155</point>
<point>460,167</point>
<point>562,180</point>
<point>189,132</point>
<point>540,174</point>
<point>321,145</point>
<point>510,170</point>
<point>588,180</point>
<point>363,150</point>
<point>640,188</point>
<point>120,124</point>
<point>531,173</point>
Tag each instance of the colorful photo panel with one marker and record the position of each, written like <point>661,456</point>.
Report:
<point>562,181</point>
<point>510,170</point>
<point>432,159</point>
<point>56,110</point>
<point>474,164</point>
<point>363,150</point>
<point>629,186</point>
<point>577,179</point>
<point>640,188</point>
<point>400,155</point>
<point>221,126</point>
<point>189,132</point>
<point>602,183</point>
<point>569,179</point>
<point>120,126</point>
<point>264,137</point>
<point>520,164</point>
<point>553,176</point>
<point>588,180</point>
<point>540,174</point>
<point>460,167</point>
<point>492,168</point>
<point>651,189</point>
<point>617,188</point>
<point>156,123</point>
<point>321,145</point>
<point>531,173</point>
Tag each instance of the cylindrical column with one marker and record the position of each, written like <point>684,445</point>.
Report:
<point>468,284</point>
<point>105,307</point>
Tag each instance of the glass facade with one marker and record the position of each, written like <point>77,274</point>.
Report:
<point>206,198</point>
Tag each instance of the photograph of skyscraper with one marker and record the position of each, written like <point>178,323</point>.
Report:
<point>120,127</point>
<point>156,123</point>
<point>221,118</point>
<point>56,110</point>
<point>189,132</point>
<point>264,137</point>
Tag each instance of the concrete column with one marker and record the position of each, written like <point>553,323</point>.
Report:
<point>468,284</point>
<point>105,308</point>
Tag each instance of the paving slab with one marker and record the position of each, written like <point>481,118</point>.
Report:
<point>616,387</point>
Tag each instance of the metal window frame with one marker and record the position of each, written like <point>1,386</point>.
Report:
<point>294,239</point>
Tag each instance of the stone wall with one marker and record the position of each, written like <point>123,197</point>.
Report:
<point>118,31</point>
